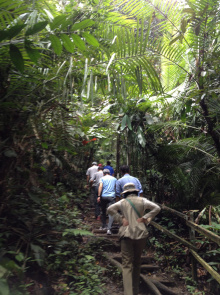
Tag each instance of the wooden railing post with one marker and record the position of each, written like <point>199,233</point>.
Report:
<point>192,237</point>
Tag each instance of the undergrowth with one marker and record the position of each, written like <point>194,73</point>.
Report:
<point>174,258</point>
<point>44,246</point>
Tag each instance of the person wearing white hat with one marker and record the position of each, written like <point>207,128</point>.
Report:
<point>133,233</point>
<point>89,174</point>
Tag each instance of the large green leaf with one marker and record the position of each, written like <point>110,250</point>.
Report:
<point>12,32</point>
<point>126,122</point>
<point>33,53</point>
<point>90,39</point>
<point>16,57</point>
<point>56,44</point>
<point>141,137</point>
<point>4,288</point>
<point>58,20</point>
<point>78,42</point>
<point>75,232</point>
<point>67,43</point>
<point>3,35</point>
<point>36,28</point>
<point>39,254</point>
<point>83,24</point>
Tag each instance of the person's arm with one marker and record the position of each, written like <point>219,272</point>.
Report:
<point>113,211</point>
<point>118,190</point>
<point>92,179</point>
<point>99,191</point>
<point>155,209</point>
<point>140,188</point>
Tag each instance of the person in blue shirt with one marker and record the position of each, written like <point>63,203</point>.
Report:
<point>127,178</point>
<point>106,196</point>
<point>109,167</point>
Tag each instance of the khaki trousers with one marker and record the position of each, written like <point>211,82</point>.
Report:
<point>131,251</point>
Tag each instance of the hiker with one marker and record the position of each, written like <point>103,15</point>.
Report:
<point>89,174</point>
<point>109,167</point>
<point>106,197</point>
<point>127,178</point>
<point>133,233</point>
<point>95,180</point>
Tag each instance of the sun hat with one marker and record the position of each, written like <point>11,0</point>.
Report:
<point>94,163</point>
<point>129,187</point>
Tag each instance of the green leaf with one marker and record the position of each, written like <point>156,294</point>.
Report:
<point>19,257</point>
<point>126,122</point>
<point>174,40</point>
<point>14,31</point>
<point>16,58</point>
<point>3,35</point>
<point>197,30</point>
<point>4,288</point>
<point>10,153</point>
<point>188,10</point>
<point>33,53</point>
<point>83,24</point>
<point>110,61</point>
<point>76,232</point>
<point>141,137</point>
<point>36,28</point>
<point>3,271</point>
<point>123,123</point>
<point>58,20</point>
<point>39,254</point>
<point>67,43</point>
<point>90,39</point>
<point>129,123</point>
<point>183,25</point>
<point>44,145</point>
<point>78,42</point>
<point>56,44</point>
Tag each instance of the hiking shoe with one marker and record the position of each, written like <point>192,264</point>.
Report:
<point>109,232</point>
<point>103,228</point>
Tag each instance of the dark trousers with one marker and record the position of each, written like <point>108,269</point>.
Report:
<point>131,251</point>
<point>105,203</point>
<point>97,205</point>
<point>92,196</point>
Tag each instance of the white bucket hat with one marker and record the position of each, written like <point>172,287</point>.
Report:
<point>129,187</point>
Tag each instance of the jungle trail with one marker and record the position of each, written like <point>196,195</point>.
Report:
<point>157,277</point>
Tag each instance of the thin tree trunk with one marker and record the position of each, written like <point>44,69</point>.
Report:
<point>118,153</point>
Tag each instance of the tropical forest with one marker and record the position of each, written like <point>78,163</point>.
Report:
<point>133,82</point>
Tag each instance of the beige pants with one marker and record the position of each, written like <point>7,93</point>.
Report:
<point>131,251</point>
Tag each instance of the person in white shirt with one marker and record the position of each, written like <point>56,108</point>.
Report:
<point>95,180</point>
<point>89,174</point>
